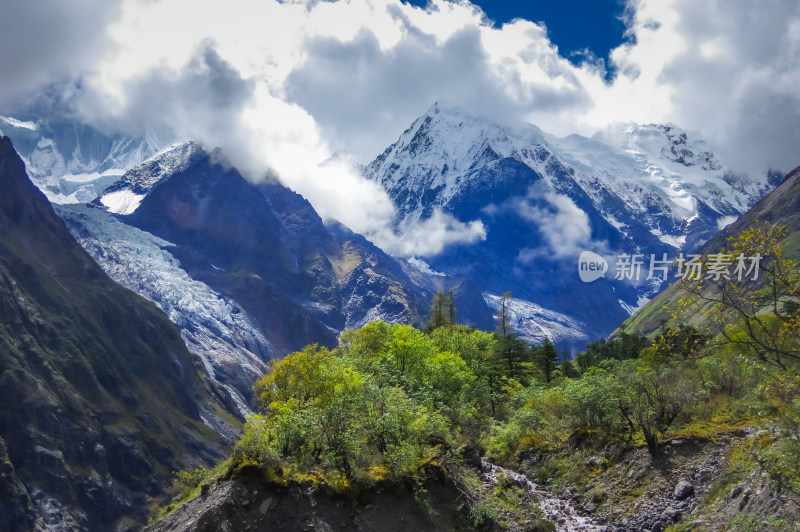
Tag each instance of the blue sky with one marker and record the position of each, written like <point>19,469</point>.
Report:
<point>573,25</point>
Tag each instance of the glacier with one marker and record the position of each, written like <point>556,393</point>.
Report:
<point>233,351</point>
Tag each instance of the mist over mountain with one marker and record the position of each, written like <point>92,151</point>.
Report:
<point>503,207</point>
<point>72,162</point>
<point>542,200</point>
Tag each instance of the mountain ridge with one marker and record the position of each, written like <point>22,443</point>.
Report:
<point>779,207</point>
<point>107,402</point>
<point>543,200</point>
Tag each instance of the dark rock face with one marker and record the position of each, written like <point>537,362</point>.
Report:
<point>245,503</point>
<point>16,508</point>
<point>101,400</point>
<point>264,247</point>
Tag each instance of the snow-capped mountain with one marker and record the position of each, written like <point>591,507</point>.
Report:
<point>671,184</point>
<point>543,199</point>
<point>210,248</point>
<point>72,162</point>
<point>124,195</point>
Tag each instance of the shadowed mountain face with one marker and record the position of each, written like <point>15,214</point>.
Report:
<point>101,400</point>
<point>265,248</point>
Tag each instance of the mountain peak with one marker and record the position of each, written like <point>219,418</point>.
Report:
<point>124,195</point>
<point>442,148</point>
<point>448,148</point>
<point>20,198</point>
<point>543,199</point>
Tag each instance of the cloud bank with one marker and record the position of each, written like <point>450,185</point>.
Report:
<point>281,86</point>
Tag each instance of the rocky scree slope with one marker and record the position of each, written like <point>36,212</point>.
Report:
<point>694,484</point>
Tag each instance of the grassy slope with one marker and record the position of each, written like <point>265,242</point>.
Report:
<point>781,207</point>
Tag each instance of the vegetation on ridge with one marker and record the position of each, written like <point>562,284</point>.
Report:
<point>391,401</point>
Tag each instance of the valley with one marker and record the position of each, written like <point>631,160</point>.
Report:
<point>317,388</point>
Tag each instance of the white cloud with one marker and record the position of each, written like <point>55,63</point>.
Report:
<point>727,69</point>
<point>428,237</point>
<point>282,85</point>
<point>725,221</point>
<point>423,266</point>
<point>563,225</point>
<point>50,40</point>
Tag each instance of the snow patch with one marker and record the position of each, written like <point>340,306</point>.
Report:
<point>630,309</point>
<point>122,201</point>
<point>676,241</point>
<point>91,177</point>
<point>45,143</point>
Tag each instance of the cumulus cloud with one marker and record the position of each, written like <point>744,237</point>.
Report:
<point>563,225</point>
<point>430,236</point>
<point>363,95</point>
<point>729,70</point>
<point>725,221</point>
<point>281,86</point>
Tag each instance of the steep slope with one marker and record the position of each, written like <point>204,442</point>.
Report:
<point>542,199</point>
<point>215,329</point>
<point>102,401</point>
<point>780,207</point>
<point>72,162</point>
<point>264,248</point>
<point>124,195</point>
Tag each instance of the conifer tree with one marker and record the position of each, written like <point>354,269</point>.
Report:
<point>443,310</point>
<point>503,315</point>
<point>546,359</point>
